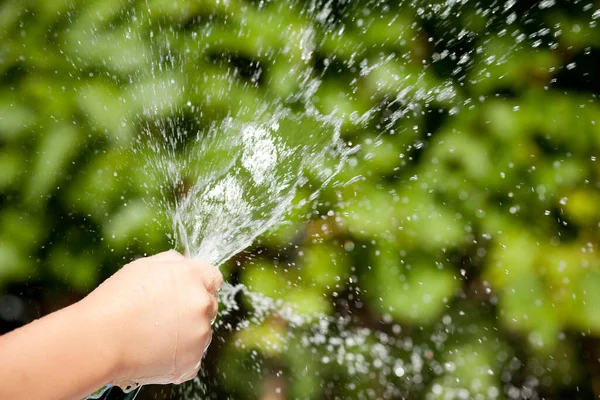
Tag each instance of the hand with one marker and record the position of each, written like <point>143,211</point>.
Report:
<point>158,312</point>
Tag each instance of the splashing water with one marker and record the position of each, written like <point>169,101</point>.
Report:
<point>241,178</point>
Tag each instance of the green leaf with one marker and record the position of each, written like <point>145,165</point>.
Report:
<point>56,148</point>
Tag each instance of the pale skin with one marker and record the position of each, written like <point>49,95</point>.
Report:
<point>149,323</point>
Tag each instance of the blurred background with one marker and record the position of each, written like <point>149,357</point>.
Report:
<point>462,237</point>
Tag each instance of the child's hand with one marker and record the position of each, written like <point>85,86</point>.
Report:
<point>158,312</point>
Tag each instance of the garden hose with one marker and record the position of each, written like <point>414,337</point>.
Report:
<point>113,393</point>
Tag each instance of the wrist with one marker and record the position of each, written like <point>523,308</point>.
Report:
<point>94,329</point>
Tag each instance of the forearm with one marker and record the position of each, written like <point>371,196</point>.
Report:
<point>65,355</point>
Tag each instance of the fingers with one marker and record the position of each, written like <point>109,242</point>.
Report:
<point>186,377</point>
<point>191,374</point>
<point>205,305</point>
<point>213,309</point>
<point>194,370</point>
<point>216,282</point>
<point>210,276</point>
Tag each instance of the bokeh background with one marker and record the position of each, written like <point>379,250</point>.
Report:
<point>470,236</point>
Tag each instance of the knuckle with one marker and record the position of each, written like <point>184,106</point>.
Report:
<point>204,300</point>
<point>169,255</point>
<point>218,282</point>
<point>174,253</point>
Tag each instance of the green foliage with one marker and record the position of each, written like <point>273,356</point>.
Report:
<point>479,205</point>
